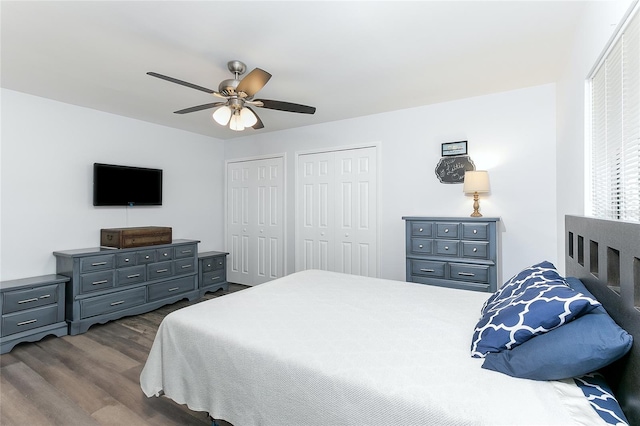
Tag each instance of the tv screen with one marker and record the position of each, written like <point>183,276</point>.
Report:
<point>126,186</point>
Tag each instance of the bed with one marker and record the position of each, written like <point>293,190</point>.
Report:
<point>322,348</point>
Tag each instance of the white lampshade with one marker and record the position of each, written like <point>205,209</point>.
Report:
<point>248,117</point>
<point>236,122</point>
<point>222,115</point>
<point>476,181</point>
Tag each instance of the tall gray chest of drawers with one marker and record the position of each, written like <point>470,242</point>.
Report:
<point>31,308</point>
<point>453,252</point>
<point>108,284</point>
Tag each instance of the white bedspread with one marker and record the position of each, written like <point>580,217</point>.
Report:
<point>322,348</point>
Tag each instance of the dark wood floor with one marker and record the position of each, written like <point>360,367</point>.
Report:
<point>91,378</point>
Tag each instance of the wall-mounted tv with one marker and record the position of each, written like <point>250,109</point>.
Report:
<point>126,186</point>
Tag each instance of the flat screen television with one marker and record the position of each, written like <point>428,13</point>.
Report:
<point>126,186</point>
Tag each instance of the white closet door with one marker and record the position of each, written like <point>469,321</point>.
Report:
<point>337,211</point>
<point>255,220</point>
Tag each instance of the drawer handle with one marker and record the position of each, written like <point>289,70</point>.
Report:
<point>215,278</point>
<point>446,231</point>
<point>219,263</point>
<point>133,276</point>
<point>185,251</point>
<point>159,271</point>
<point>428,270</point>
<point>165,254</point>
<point>186,266</point>
<point>420,246</point>
<point>28,322</point>
<point>117,303</point>
<point>446,247</point>
<point>466,274</point>
<point>420,230</point>
<point>174,289</point>
<point>98,263</point>
<point>35,299</point>
<point>475,249</point>
<point>126,260</point>
<point>45,296</point>
<point>146,257</point>
<point>99,282</point>
<point>475,231</point>
<point>209,265</point>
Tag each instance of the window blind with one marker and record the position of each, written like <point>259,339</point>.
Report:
<point>615,127</point>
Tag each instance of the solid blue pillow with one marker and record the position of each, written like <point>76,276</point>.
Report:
<point>579,347</point>
<point>540,308</point>
<point>543,272</point>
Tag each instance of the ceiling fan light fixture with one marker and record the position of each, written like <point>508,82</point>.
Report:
<point>236,122</point>
<point>248,117</point>
<point>222,115</point>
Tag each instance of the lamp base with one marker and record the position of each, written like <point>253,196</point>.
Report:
<point>476,206</point>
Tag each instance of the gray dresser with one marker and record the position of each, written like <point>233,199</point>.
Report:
<point>212,271</point>
<point>106,284</point>
<point>457,252</point>
<point>31,309</point>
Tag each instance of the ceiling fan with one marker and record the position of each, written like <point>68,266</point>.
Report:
<point>238,94</point>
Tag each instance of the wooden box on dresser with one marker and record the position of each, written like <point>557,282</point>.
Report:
<point>453,252</point>
<point>212,271</point>
<point>108,284</point>
<point>31,309</point>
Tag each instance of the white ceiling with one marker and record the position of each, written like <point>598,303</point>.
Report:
<point>348,59</point>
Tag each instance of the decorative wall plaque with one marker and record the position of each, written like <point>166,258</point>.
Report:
<point>452,169</point>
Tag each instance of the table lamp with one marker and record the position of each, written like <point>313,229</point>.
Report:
<point>476,182</point>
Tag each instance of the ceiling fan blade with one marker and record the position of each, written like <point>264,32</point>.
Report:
<point>258,124</point>
<point>183,83</point>
<point>253,82</point>
<point>199,108</point>
<point>286,106</point>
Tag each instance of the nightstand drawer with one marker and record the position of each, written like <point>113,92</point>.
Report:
<point>185,251</point>
<point>463,272</point>
<point>475,250</point>
<point>475,231</point>
<point>20,300</point>
<point>132,275</point>
<point>29,319</point>
<point>421,229</point>
<point>171,288</point>
<point>184,266</point>
<point>97,281</point>
<point>447,230</point>
<point>421,246</point>
<point>112,302</point>
<point>97,263</point>
<point>212,278</point>
<point>427,268</point>
<point>446,247</point>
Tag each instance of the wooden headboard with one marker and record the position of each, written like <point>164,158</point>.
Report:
<point>605,256</point>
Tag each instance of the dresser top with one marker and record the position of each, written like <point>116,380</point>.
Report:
<point>105,250</point>
<point>453,219</point>
<point>212,253</point>
<point>32,281</point>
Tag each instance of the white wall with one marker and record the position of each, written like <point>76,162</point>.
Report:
<point>596,27</point>
<point>48,151</point>
<point>511,134</point>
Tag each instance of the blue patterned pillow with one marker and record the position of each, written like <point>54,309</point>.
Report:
<point>597,391</point>
<point>541,307</point>
<point>539,273</point>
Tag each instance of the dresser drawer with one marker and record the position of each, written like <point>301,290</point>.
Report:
<point>159,270</point>
<point>446,247</point>
<point>475,231</point>
<point>421,246</point>
<point>464,272</point>
<point>475,250</point>
<point>112,302</point>
<point>212,278</point>
<point>421,229</point>
<point>97,263</point>
<point>126,259</point>
<point>97,281</point>
<point>447,230</point>
<point>185,251</point>
<point>164,254</point>
<point>427,268</point>
<point>131,275</point>
<point>145,256</point>
<point>184,266</point>
<point>171,288</point>
<point>20,300</point>
<point>29,319</point>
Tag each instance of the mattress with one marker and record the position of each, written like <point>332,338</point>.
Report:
<point>323,348</point>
